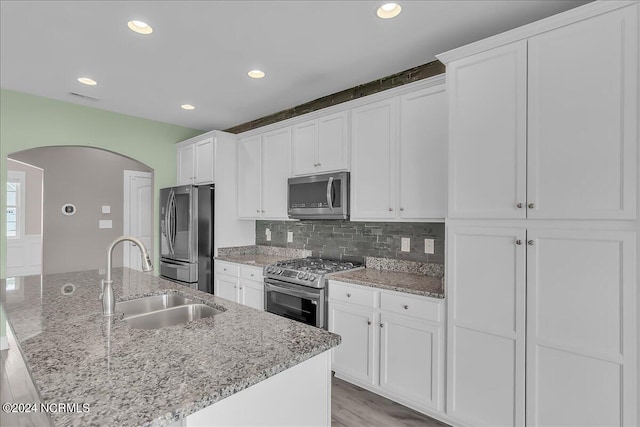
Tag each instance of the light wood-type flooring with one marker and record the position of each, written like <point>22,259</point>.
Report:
<point>353,406</point>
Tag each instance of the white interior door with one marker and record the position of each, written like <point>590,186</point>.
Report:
<point>138,220</point>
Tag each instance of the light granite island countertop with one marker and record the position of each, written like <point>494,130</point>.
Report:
<point>142,377</point>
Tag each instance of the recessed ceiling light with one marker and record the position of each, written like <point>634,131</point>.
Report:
<point>256,74</point>
<point>87,81</point>
<point>140,27</point>
<point>187,107</point>
<point>389,10</point>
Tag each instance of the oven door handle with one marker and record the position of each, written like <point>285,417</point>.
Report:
<point>289,291</point>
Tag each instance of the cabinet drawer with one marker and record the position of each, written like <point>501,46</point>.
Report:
<point>227,268</point>
<point>350,294</point>
<point>411,306</point>
<point>251,273</point>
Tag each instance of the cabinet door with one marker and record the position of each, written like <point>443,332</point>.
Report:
<point>354,356</point>
<point>373,162</point>
<point>276,170</point>
<point>487,141</point>
<point>333,143</point>
<point>204,161</point>
<point>249,177</point>
<point>583,118</point>
<point>486,325</point>
<point>422,151</point>
<point>186,165</point>
<point>410,360</point>
<point>581,331</point>
<point>226,287</point>
<point>252,294</point>
<point>304,147</point>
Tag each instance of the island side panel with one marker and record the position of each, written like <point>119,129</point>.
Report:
<point>298,396</point>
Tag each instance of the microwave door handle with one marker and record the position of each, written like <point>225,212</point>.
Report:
<point>329,188</point>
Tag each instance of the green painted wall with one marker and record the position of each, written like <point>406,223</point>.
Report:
<point>28,121</point>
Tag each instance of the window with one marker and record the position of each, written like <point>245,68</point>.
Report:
<point>15,204</point>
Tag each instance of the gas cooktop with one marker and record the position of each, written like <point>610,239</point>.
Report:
<point>308,271</point>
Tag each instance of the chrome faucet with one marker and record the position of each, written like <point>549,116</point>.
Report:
<point>108,299</point>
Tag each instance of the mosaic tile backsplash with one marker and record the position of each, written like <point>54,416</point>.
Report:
<point>356,240</point>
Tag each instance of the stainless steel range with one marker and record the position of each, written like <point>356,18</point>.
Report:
<point>297,288</point>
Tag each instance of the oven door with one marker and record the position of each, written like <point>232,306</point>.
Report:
<point>295,302</point>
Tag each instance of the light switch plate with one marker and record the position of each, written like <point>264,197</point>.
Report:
<point>105,223</point>
<point>268,234</point>
<point>106,209</point>
<point>406,244</point>
<point>290,236</point>
<point>428,246</point>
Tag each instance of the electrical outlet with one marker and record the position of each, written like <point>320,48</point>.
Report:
<point>290,236</point>
<point>406,244</point>
<point>267,233</point>
<point>428,246</point>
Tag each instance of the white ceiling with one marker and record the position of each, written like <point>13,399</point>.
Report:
<point>200,51</point>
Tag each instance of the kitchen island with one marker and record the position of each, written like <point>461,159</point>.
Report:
<point>240,358</point>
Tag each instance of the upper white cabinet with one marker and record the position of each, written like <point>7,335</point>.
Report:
<point>196,162</point>
<point>398,158</point>
<point>263,169</point>
<point>373,168</point>
<point>547,127</point>
<point>422,154</point>
<point>321,145</point>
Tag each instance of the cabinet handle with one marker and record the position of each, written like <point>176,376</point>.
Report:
<point>263,211</point>
<point>381,325</point>
<point>235,287</point>
<point>401,209</point>
<point>531,206</point>
<point>368,322</point>
<point>224,269</point>
<point>519,205</point>
<point>258,210</point>
<point>406,307</point>
<point>240,287</point>
<point>348,295</point>
<point>518,242</point>
<point>530,242</point>
<point>390,209</point>
<point>319,164</point>
<point>251,274</point>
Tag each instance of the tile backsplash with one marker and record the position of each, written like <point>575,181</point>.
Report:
<point>356,240</point>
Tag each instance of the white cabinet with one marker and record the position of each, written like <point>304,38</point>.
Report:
<point>541,130</point>
<point>321,145</point>
<point>392,343</point>
<point>579,290</point>
<point>239,283</point>
<point>399,157</point>
<point>196,161</point>
<point>263,169</point>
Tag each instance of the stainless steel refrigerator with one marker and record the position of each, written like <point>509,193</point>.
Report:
<point>186,235</point>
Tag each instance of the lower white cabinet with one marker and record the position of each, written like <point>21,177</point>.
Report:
<point>399,356</point>
<point>239,283</point>
<point>541,326</point>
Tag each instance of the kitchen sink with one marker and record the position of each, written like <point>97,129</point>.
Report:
<point>171,316</point>
<point>150,304</point>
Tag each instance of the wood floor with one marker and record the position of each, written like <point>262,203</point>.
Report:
<point>352,406</point>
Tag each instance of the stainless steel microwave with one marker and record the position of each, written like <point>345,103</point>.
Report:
<point>319,196</point>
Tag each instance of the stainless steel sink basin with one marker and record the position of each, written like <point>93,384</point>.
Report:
<point>150,304</point>
<point>171,316</point>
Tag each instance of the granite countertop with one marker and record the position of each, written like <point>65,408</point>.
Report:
<point>256,260</point>
<point>418,284</point>
<point>144,377</point>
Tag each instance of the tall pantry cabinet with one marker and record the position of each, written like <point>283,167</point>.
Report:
<point>542,228</point>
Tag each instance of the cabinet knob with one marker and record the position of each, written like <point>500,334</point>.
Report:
<point>224,269</point>
<point>406,307</point>
<point>530,242</point>
<point>519,205</point>
<point>390,209</point>
<point>518,242</point>
<point>531,206</point>
<point>251,274</point>
<point>258,210</point>
<point>381,325</point>
<point>348,295</point>
<point>319,164</point>
<point>263,211</point>
<point>368,322</point>
<point>235,287</point>
<point>401,209</point>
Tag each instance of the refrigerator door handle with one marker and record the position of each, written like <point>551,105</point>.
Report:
<point>170,221</point>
